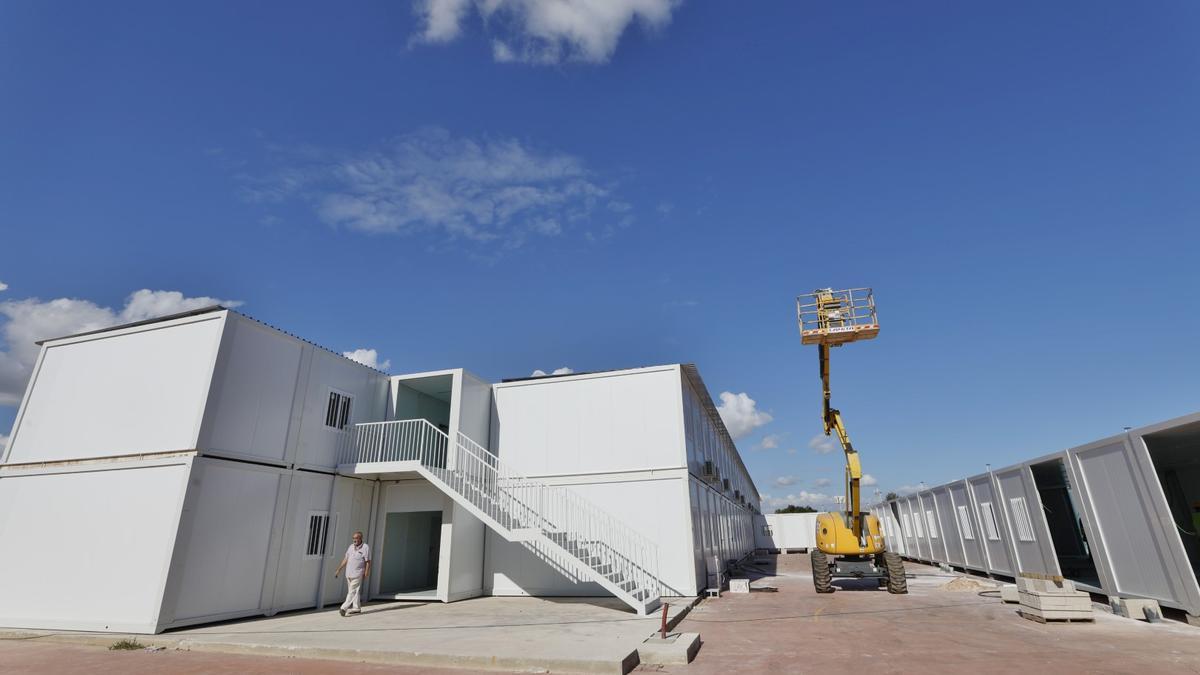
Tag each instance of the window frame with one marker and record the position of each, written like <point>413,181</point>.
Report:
<point>987,518</point>
<point>964,522</point>
<point>343,414</point>
<point>316,544</point>
<point>1022,519</point>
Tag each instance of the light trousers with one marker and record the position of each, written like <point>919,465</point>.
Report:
<point>353,594</point>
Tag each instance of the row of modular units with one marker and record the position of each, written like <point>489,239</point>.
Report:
<point>785,532</point>
<point>1119,516</point>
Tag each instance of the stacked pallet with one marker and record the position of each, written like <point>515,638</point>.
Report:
<point>1045,598</point>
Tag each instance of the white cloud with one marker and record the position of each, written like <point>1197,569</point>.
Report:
<point>3,286</point>
<point>496,190</point>
<point>442,18</point>
<point>822,444</point>
<point>785,481</point>
<point>816,500</point>
<point>770,441</point>
<point>557,371</point>
<point>822,482</point>
<point>369,358</point>
<point>27,321</point>
<point>741,414</point>
<point>544,31</point>
<point>868,480</point>
<point>907,489</point>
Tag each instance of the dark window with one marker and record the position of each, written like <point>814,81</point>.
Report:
<point>318,529</point>
<point>337,414</point>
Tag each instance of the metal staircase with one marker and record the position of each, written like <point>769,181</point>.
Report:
<point>558,524</point>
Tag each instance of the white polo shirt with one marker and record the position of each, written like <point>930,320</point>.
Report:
<point>356,560</point>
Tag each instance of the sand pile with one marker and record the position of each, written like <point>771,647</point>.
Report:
<point>967,584</point>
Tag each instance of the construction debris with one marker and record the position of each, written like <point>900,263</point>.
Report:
<point>1046,599</point>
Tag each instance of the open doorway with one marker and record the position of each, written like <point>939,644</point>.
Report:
<point>424,397</point>
<point>1066,528</point>
<point>411,550</point>
<point>1175,454</point>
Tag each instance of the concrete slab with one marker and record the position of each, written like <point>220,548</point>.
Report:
<point>594,635</point>
<point>677,649</point>
<point>1135,608</point>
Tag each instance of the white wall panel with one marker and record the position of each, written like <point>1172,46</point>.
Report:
<point>970,531</point>
<point>299,573</point>
<point>947,520</point>
<point>318,442</point>
<point>934,542</point>
<point>352,511</point>
<point>475,409</point>
<point>88,550</point>
<point>254,388</point>
<point>590,423</point>
<point>467,537</point>
<point>1026,521</point>
<point>1119,506</point>
<point>653,508</point>
<point>127,393</point>
<point>788,530</point>
<point>916,531</point>
<point>224,539</point>
<point>990,516</point>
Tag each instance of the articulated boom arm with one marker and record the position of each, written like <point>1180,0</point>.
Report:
<point>833,422</point>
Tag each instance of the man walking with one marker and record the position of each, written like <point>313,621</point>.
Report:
<point>357,562</point>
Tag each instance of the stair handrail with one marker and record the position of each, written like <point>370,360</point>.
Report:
<point>571,513</point>
<point>512,499</point>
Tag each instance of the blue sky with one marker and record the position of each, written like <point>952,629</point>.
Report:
<point>649,182</point>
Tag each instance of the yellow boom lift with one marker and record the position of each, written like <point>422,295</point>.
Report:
<point>849,544</point>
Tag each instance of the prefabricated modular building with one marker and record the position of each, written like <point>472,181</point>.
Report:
<point>1119,516</point>
<point>207,466</point>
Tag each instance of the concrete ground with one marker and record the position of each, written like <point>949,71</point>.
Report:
<point>492,633</point>
<point>857,629</point>
<point>861,629</point>
<point>26,656</point>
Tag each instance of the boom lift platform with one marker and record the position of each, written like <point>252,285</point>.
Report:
<point>849,544</point>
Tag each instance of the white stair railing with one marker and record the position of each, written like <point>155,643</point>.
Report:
<point>398,441</point>
<point>592,537</point>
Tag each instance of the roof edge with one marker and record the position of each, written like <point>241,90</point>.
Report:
<point>133,324</point>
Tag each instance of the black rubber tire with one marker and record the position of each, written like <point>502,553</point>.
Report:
<point>822,576</point>
<point>897,583</point>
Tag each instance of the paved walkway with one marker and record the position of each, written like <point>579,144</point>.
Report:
<point>558,634</point>
<point>865,630</point>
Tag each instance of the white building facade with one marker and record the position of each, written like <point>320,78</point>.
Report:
<point>206,466</point>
